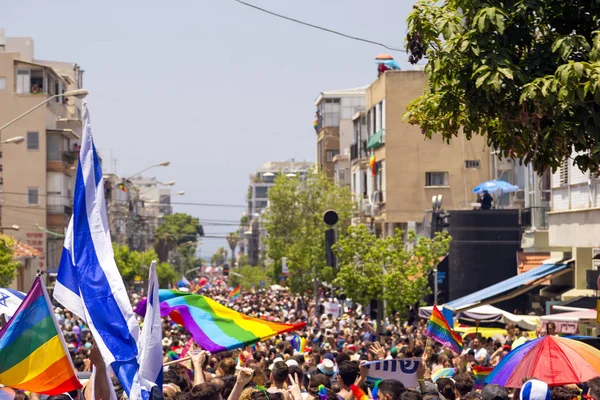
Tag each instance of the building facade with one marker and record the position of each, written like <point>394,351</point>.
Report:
<point>409,169</point>
<point>258,199</point>
<point>334,126</point>
<point>38,175</point>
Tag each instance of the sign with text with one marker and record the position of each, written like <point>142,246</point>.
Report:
<point>404,370</point>
<point>332,308</point>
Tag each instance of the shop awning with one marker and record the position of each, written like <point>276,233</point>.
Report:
<point>512,287</point>
<point>376,140</point>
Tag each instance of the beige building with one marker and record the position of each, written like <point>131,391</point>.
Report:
<point>410,169</point>
<point>335,109</point>
<point>38,175</point>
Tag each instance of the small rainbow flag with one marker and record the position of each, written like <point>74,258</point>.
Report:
<point>213,326</point>
<point>439,330</point>
<point>481,373</point>
<point>316,123</point>
<point>235,293</point>
<point>373,164</point>
<point>443,373</point>
<point>34,356</point>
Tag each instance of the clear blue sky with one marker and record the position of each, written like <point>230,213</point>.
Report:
<point>215,87</point>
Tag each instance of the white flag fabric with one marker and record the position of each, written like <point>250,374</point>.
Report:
<point>10,300</point>
<point>88,281</point>
<point>150,344</point>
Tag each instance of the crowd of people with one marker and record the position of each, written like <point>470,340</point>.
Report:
<point>330,364</point>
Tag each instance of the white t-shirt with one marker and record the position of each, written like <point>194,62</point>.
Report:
<point>481,354</point>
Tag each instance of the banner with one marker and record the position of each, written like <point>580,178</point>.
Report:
<point>404,370</point>
<point>333,309</point>
<point>284,267</point>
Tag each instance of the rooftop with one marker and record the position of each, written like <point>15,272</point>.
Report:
<point>357,91</point>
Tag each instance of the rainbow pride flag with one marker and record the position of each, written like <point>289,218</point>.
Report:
<point>213,326</point>
<point>373,164</point>
<point>439,330</point>
<point>33,354</point>
<point>481,373</point>
<point>235,293</point>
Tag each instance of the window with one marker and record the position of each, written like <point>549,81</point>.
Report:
<point>436,179</point>
<point>23,81</point>
<point>365,181</point>
<point>261,191</point>
<point>33,140</point>
<point>2,83</point>
<point>564,173</point>
<point>33,196</point>
<point>472,164</point>
<point>329,154</point>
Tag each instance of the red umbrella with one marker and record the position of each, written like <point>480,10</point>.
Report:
<point>552,359</point>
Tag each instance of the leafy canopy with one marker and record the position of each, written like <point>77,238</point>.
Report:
<point>526,73</point>
<point>388,268</point>
<point>295,227</point>
<point>8,266</point>
<point>219,257</point>
<point>176,230</point>
<point>134,263</point>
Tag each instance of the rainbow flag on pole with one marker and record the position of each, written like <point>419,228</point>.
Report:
<point>33,354</point>
<point>213,326</point>
<point>439,330</point>
<point>235,293</point>
<point>481,373</point>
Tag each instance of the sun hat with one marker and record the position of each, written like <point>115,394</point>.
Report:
<point>327,367</point>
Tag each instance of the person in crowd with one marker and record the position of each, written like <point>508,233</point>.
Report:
<point>463,384</point>
<point>279,377</point>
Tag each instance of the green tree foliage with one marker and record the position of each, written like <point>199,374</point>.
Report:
<point>526,73</point>
<point>8,266</point>
<point>388,268</point>
<point>134,263</point>
<point>233,239</point>
<point>295,227</point>
<point>176,230</point>
<point>219,257</point>
<point>251,276</point>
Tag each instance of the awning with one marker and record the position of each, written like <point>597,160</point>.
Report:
<point>511,287</point>
<point>487,314</point>
<point>376,140</point>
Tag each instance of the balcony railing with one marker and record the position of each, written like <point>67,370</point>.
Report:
<point>68,157</point>
<point>534,217</point>
<point>55,209</point>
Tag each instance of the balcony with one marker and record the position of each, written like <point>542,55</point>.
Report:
<point>59,209</point>
<point>62,161</point>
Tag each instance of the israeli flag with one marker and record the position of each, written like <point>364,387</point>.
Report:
<point>88,281</point>
<point>151,351</point>
<point>10,300</point>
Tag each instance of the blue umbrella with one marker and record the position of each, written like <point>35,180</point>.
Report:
<point>495,186</point>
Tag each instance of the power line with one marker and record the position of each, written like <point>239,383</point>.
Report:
<point>320,27</point>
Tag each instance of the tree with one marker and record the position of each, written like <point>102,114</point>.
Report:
<point>233,239</point>
<point>134,263</point>
<point>388,268</point>
<point>252,276</point>
<point>8,265</point>
<point>526,73</point>
<point>295,227</point>
<point>176,230</point>
<point>219,257</point>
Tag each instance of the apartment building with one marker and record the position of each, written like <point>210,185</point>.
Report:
<point>258,199</point>
<point>335,109</point>
<point>409,168</point>
<point>38,175</point>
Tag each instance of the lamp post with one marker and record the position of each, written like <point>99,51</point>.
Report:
<point>79,93</point>
<point>162,164</point>
<point>9,228</point>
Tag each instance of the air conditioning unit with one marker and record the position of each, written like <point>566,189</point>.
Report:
<point>367,209</point>
<point>520,195</point>
<point>376,209</point>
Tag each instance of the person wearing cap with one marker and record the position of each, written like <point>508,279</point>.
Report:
<point>494,392</point>
<point>327,367</point>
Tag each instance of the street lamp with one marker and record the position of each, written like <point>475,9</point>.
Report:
<point>10,228</point>
<point>169,183</point>
<point>79,93</point>
<point>180,193</point>
<point>162,164</point>
<point>13,140</point>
